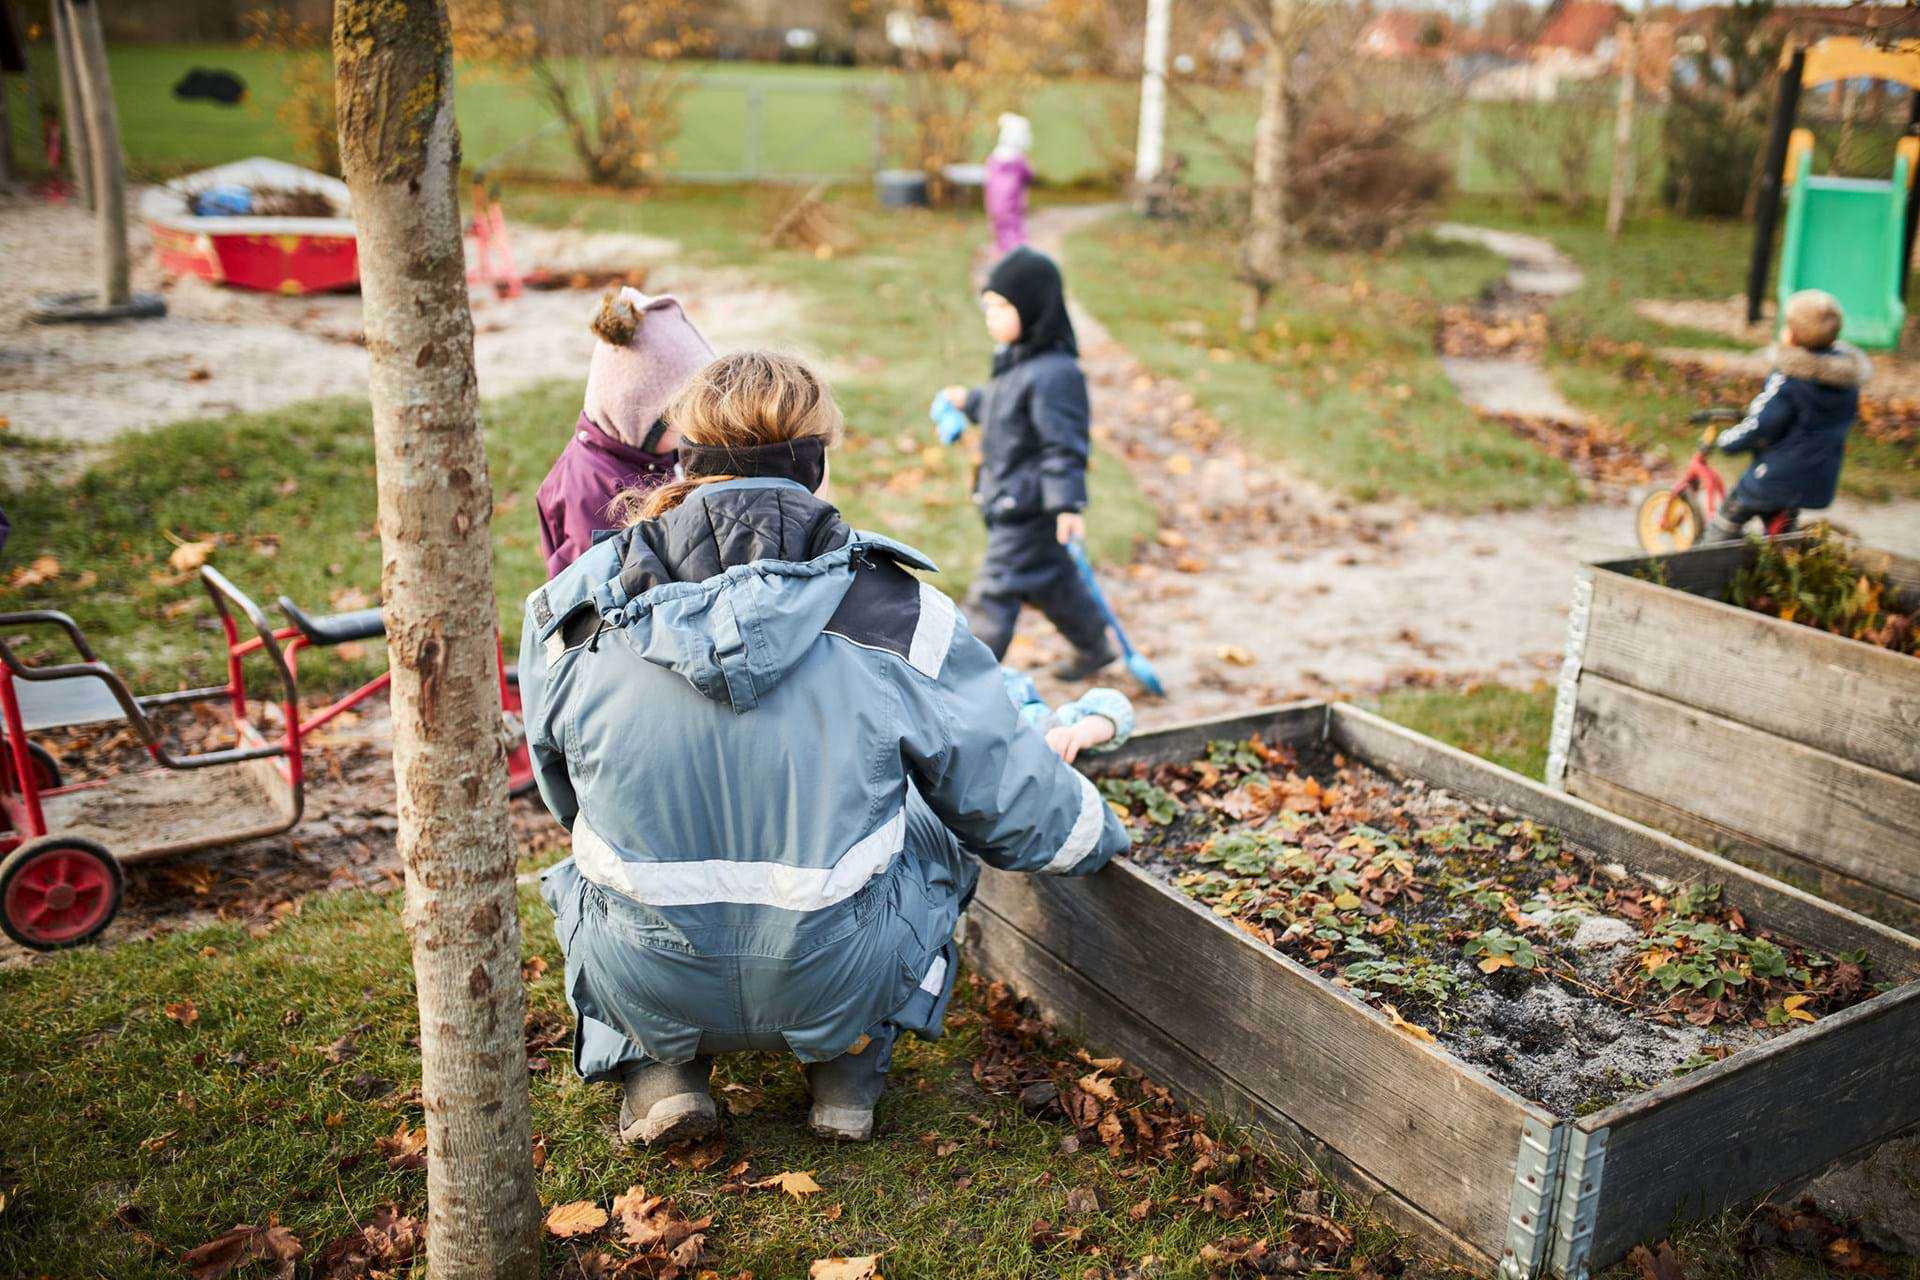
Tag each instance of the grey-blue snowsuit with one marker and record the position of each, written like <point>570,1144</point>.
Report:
<point>779,754</point>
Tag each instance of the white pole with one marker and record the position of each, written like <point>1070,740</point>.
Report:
<point>1153,94</point>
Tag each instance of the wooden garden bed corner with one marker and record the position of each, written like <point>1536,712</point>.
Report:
<point>1132,966</point>
<point>1793,750</point>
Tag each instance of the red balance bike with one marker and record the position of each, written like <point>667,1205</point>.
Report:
<point>1673,518</point>
<point>60,880</point>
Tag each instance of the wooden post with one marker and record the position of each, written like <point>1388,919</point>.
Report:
<point>103,135</point>
<point>73,118</point>
<point>1766,216</point>
<point>1620,185</point>
<point>400,153</point>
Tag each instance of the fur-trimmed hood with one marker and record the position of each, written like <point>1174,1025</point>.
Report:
<point>1840,365</point>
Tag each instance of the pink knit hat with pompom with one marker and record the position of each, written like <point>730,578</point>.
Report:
<point>647,349</point>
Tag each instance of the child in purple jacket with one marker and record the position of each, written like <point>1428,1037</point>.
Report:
<point>1008,177</point>
<point>647,349</point>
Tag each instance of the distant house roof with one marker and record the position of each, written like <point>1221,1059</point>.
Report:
<point>13,40</point>
<point>1578,26</point>
<point>1399,34</point>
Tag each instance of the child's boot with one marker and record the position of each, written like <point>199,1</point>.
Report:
<point>667,1104</point>
<point>1721,529</point>
<point>844,1090</point>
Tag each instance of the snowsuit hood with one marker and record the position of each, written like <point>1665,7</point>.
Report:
<point>730,589</point>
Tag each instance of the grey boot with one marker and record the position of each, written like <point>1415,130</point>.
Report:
<point>844,1091</point>
<point>667,1104</point>
<point>1720,529</point>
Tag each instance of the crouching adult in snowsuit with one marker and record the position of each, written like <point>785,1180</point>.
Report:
<point>779,754</point>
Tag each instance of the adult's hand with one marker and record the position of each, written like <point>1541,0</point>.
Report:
<point>1069,526</point>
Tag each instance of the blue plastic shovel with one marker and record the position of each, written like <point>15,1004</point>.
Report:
<point>1137,664</point>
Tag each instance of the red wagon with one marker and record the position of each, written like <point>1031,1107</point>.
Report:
<point>60,880</point>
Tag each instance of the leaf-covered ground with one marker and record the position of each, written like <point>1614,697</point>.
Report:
<point>1571,984</point>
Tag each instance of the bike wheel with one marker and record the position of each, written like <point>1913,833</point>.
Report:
<point>1665,521</point>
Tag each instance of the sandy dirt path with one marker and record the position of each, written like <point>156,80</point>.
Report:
<point>221,351</point>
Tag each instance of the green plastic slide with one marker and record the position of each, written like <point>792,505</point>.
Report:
<point>1846,235</point>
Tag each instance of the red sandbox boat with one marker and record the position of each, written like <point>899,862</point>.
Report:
<point>274,254</point>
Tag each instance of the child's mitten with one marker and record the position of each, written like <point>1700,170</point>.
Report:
<point>947,419</point>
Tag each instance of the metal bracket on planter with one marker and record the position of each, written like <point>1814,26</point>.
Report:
<point>1579,1203</point>
<point>1536,1184</point>
<point>1567,691</point>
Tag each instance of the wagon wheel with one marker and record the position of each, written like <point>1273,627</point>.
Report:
<point>58,891</point>
<point>46,775</point>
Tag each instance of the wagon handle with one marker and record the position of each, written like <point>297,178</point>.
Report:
<point>224,593</point>
<point>51,617</point>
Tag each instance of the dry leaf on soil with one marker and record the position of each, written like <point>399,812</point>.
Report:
<point>794,1184</point>
<point>404,1148</point>
<point>189,556</point>
<point>580,1218</point>
<point>219,1256</point>
<point>183,1012</point>
<point>43,569</point>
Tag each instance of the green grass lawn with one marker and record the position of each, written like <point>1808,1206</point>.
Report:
<point>1340,381</point>
<point>1505,725</point>
<point>813,120</point>
<point>1599,354</point>
<point>897,316</point>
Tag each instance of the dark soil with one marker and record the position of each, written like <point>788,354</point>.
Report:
<point>1572,983</point>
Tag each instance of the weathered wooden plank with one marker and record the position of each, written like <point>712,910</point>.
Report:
<point>1767,1115</point>
<point>1288,722</point>
<point>1702,571</point>
<point>1846,698</point>
<point>1777,906</point>
<point>1871,900</point>
<point>1075,1005</point>
<point>1846,817</point>
<point>1434,1130</point>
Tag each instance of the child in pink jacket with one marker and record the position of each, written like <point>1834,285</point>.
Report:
<point>1008,177</point>
<point>647,349</point>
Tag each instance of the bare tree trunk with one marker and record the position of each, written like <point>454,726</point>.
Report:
<point>1267,213</point>
<point>103,138</point>
<point>73,117</point>
<point>400,151</point>
<point>1620,186</point>
<point>1149,154</point>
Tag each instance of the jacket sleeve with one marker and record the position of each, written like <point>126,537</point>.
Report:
<point>971,406</point>
<point>1769,417</point>
<point>1060,416</point>
<point>543,749</point>
<point>992,780</point>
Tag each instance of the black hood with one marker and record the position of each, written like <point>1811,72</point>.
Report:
<point>720,526</point>
<point>1031,282</point>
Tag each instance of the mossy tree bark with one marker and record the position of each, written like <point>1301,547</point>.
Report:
<point>400,151</point>
<point>1620,183</point>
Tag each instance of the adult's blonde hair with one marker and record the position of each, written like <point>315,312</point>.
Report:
<point>1813,318</point>
<point>742,400</point>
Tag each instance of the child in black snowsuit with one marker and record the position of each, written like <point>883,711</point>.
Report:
<point>1031,487</point>
<point>1797,426</point>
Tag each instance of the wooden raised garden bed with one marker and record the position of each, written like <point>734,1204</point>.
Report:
<point>1134,966</point>
<point>1791,749</point>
